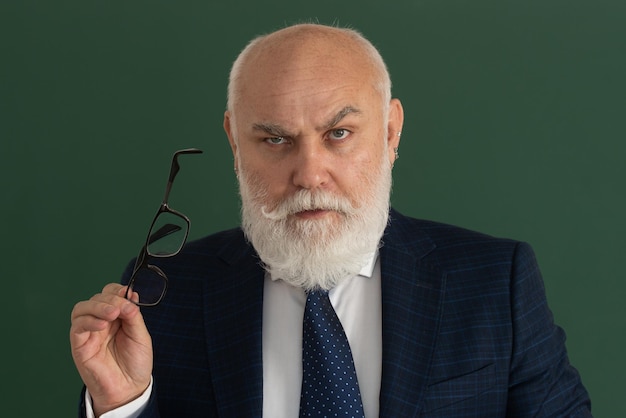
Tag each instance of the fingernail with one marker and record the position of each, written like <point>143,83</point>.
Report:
<point>109,309</point>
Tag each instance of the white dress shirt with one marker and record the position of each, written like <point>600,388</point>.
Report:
<point>358,304</point>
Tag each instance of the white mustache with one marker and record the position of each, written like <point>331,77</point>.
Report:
<point>305,200</point>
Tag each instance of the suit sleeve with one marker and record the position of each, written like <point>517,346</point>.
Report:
<point>542,382</point>
<point>151,410</point>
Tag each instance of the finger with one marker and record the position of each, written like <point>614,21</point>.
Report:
<point>84,328</point>
<point>115,289</point>
<point>106,306</point>
<point>132,318</point>
<point>115,295</point>
<point>89,319</point>
<point>97,307</point>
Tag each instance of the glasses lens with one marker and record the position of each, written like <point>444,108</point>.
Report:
<point>167,235</point>
<point>148,286</point>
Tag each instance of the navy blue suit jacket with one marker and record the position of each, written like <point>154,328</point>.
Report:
<point>466,330</point>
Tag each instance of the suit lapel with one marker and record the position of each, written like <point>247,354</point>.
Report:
<point>233,306</point>
<point>412,293</point>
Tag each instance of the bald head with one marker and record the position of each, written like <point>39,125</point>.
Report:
<point>303,49</point>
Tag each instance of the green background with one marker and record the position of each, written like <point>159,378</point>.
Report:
<point>515,126</point>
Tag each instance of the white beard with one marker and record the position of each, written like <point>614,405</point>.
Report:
<point>317,253</point>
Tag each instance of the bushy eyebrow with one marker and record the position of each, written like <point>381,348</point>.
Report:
<point>279,131</point>
<point>340,115</point>
<point>271,129</point>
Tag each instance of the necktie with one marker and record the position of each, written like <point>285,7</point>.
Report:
<point>329,382</point>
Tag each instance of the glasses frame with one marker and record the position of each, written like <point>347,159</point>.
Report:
<point>142,258</point>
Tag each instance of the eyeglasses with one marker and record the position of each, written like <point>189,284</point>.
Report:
<point>166,238</point>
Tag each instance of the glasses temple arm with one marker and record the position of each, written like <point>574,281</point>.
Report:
<point>175,168</point>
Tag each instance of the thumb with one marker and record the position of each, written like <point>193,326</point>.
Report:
<point>134,324</point>
<point>130,314</point>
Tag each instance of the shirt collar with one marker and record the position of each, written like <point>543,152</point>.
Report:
<point>366,271</point>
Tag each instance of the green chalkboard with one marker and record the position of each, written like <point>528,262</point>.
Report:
<point>515,126</point>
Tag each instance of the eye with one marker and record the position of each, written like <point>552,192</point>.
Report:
<point>275,140</point>
<point>338,134</point>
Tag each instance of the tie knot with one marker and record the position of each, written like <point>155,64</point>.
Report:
<point>317,294</point>
<point>318,300</point>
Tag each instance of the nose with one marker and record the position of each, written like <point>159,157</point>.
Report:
<point>311,166</point>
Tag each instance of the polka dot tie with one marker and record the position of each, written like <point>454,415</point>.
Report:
<point>329,382</point>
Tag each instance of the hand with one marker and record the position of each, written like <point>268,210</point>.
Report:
<point>111,347</point>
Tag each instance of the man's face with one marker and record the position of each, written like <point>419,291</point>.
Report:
<point>312,123</point>
<point>302,123</point>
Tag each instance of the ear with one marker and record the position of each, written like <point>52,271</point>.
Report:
<point>230,133</point>
<point>394,128</point>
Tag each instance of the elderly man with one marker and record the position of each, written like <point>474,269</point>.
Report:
<point>423,319</point>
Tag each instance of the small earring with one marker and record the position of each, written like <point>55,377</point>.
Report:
<point>399,134</point>
<point>395,151</point>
